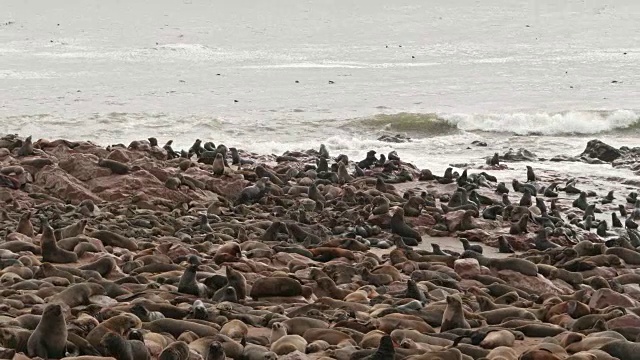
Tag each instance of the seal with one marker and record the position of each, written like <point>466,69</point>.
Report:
<point>453,317</point>
<point>119,324</point>
<point>177,350</point>
<point>27,147</point>
<point>188,283</point>
<point>123,349</point>
<point>50,250</point>
<point>49,339</point>
<point>467,246</point>
<point>400,227</point>
<point>275,286</point>
<point>218,165</point>
<point>24,225</point>
<point>283,344</point>
<point>504,246</point>
<point>235,329</point>
<point>116,167</point>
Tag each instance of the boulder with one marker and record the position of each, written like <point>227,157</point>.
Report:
<point>606,297</point>
<point>62,185</point>
<point>532,284</point>
<point>599,150</point>
<point>467,268</point>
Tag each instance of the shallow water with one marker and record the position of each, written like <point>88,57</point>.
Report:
<point>443,73</point>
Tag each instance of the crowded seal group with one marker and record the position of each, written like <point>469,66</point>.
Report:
<point>143,251</point>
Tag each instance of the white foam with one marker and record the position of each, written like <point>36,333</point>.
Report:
<point>571,122</point>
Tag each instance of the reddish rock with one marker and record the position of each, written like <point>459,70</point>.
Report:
<point>117,187</point>
<point>383,220</point>
<point>477,235</point>
<point>606,297</point>
<point>83,167</point>
<point>629,320</point>
<point>120,155</point>
<point>454,219</point>
<point>532,284</point>
<point>62,185</point>
<point>467,268</point>
<point>422,220</point>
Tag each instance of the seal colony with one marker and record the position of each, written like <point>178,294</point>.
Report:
<point>146,252</point>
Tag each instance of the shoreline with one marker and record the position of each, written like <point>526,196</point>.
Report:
<point>135,222</point>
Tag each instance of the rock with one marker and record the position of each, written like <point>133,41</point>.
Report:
<point>629,320</point>
<point>422,220</point>
<point>532,284</point>
<point>62,185</point>
<point>119,155</point>
<point>454,220</point>
<point>384,220</point>
<point>598,149</point>
<point>467,268</point>
<point>606,297</point>
<point>519,155</point>
<point>83,167</point>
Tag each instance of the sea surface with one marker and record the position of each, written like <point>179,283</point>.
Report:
<point>270,76</point>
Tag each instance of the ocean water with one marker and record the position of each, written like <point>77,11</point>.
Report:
<point>270,76</point>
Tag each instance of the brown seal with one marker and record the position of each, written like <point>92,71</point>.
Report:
<point>275,286</point>
<point>27,147</point>
<point>235,329</point>
<point>49,339</point>
<point>73,230</point>
<point>177,350</point>
<point>283,344</point>
<point>218,165</point>
<point>400,227</point>
<point>453,317</point>
<point>77,294</point>
<point>124,349</point>
<point>229,252</point>
<point>119,324</point>
<point>24,225</point>
<point>50,250</point>
<point>236,280</point>
<point>110,238</point>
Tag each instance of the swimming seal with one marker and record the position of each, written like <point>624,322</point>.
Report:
<point>49,339</point>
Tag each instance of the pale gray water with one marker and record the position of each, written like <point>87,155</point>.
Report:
<point>120,70</point>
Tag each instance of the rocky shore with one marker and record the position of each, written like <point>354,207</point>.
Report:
<point>142,251</point>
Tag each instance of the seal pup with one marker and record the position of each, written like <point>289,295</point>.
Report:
<point>453,317</point>
<point>49,339</point>
<point>50,251</point>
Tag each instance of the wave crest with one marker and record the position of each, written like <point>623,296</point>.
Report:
<point>542,123</point>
